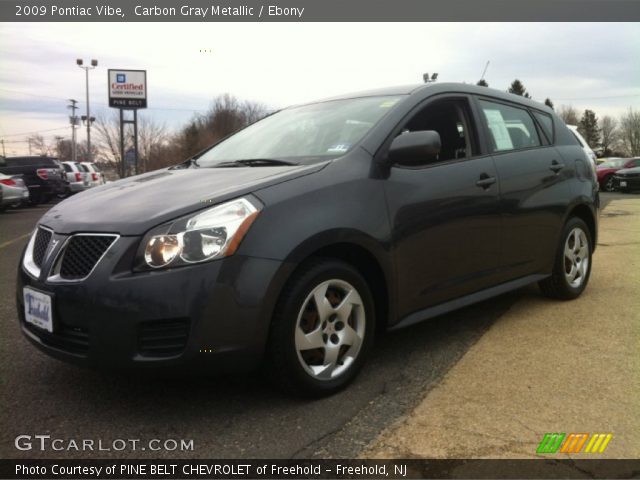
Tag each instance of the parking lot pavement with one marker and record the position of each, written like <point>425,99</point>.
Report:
<point>545,366</point>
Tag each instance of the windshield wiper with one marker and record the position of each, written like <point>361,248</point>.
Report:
<point>255,162</point>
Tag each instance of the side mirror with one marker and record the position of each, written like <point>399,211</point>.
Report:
<point>415,148</point>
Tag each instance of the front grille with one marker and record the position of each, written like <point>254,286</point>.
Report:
<point>65,337</point>
<point>40,245</point>
<point>163,338</point>
<point>82,253</point>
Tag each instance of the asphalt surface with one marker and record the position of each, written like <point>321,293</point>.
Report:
<point>226,417</point>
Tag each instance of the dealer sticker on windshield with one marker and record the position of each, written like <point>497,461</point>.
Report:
<point>340,148</point>
<point>37,309</point>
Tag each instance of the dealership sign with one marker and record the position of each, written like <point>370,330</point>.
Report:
<point>128,89</point>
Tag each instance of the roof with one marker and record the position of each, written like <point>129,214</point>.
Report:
<point>424,89</point>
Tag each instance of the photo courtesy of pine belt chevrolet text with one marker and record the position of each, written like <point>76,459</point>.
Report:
<point>291,244</point>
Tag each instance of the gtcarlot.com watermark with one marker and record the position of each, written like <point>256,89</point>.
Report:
<point>47,443</point>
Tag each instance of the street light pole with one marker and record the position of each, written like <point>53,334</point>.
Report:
<point>89,120</point>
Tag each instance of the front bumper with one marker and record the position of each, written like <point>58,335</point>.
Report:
<point>631,183</point>
<point>213,315</point>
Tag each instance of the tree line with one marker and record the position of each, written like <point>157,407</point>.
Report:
<point>607,136</point>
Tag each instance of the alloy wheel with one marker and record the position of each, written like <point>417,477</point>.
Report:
<point>330,329</point>
<point>576,257</point>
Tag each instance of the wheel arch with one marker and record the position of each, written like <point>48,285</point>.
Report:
<point>359,250</point>
<point>588,216</point>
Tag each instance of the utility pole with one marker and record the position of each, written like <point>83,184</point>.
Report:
<point>3,152</point>
<point>73,120</point>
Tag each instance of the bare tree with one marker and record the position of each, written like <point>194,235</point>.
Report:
<point>630,132</point>
<point>151,134</point>
<point>108,128</point>
<point>609,133</point>
<point>37,145</point>
<point>61,149</point>
<point>568,114</point>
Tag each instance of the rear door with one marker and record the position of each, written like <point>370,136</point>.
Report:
<point>445,215</point>
<point>534,183</point>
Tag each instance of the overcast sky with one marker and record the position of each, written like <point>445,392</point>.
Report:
<point>586,65</point>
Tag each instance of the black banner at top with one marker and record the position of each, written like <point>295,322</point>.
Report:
<point>319,10</point>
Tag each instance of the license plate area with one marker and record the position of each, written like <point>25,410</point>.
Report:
<point>623,183</point>
<point>38,309</point>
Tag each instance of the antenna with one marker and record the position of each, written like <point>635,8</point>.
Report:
<point>485,70</point>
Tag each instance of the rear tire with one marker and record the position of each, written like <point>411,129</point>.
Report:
<point>322,329</point>
<point>572,265</point>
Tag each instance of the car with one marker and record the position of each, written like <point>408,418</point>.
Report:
<point>77,177</point>
<point>96,176</point>
<point>605,171</point>
<point>627,179</point>
<point>583,143</point>
<point>289,244</point>
<point>43,176</point>
<point>13,191</point>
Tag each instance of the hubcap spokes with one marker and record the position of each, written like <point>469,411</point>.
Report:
<point>330,329</point>
<point>576,257</point>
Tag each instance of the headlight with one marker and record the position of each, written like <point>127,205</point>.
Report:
<point>214,233</point>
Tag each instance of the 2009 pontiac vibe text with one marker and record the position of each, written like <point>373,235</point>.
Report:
<point>292,243</point>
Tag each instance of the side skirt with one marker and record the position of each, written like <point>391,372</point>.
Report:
<point>427,313</point>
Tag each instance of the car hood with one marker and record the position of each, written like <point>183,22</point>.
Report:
<point>134,205</point>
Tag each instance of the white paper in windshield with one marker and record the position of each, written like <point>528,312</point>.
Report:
<point>498,129</point>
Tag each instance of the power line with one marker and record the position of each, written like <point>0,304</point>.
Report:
<point>33,132</point>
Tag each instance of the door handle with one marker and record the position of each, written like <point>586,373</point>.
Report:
<point>556,167</point>
<point>485,181</point>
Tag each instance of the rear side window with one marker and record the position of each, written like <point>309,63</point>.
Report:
<point>577,138</point>
<point>66,167</point>
<point>510,128</point>
<point>546,123</point>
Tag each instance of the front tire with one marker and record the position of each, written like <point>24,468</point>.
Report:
<point>322,330</point>
<point>608,185</point>
<point>572,265</point>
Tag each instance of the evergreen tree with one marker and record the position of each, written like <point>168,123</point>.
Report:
<point>588,128</point>
<point>517,88</point>
<point>549,103</point>
<point>482,83</point>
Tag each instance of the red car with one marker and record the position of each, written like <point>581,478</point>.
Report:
<point>607,169</point>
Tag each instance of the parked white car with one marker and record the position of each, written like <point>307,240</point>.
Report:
<point>585,146</point>
<point>96,176</point>
<point>77,177</point>
<point>13,191</point>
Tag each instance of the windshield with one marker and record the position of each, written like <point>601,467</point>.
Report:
<point>613,163</point>
<point>310,132</point>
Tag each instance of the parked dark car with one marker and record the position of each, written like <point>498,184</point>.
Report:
<point>627,179</point>
<point>43,176</point>
<point>607,170</point>
<point>290,243</point>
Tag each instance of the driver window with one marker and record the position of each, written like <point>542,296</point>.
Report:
<point>448,119</point>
